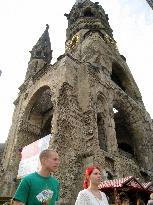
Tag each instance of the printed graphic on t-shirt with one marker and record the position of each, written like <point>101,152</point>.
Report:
<point>45,195</point>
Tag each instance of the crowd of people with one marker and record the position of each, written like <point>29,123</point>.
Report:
<point>41,188</point>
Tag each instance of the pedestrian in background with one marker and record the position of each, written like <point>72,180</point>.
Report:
<point>150,202</point>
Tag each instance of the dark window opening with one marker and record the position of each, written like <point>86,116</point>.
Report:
<point>88,13</point>
<point>101,132</point>
<point>145,176</point>
<point>38,53</point>
<point>41,114</point>
<point>46,54</point>
<point>109,175</point>
<point>47,128</point>
<point>126,147</point>
<point>119,76</point>
<point>43,103</point>
<point>117,79</point>
<point>124,132</point>
<point>123,78</point>
<point>37,118</point>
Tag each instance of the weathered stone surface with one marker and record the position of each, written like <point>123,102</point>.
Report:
<point>2,146</point>
<point>90,103</point>
<point>150,2</point>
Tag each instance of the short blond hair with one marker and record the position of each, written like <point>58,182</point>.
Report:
<point>45,153</point>
<point>151,196</point>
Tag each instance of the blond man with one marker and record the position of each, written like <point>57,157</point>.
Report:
<point>40,187</point>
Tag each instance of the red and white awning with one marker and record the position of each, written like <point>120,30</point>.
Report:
<point>148,186</point>
<point>145,185</point>
<point>129,181</point>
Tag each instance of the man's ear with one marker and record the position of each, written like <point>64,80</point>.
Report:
<point>42,160</point>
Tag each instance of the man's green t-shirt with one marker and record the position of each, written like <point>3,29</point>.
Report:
<point>34,189</point>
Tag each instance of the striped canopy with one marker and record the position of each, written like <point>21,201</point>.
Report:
<point>129,181</point>
<point>148,186</point>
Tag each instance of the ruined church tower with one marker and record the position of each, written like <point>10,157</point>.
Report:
<point>88,101</point>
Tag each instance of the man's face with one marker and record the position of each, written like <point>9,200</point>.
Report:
<point>52,161</point>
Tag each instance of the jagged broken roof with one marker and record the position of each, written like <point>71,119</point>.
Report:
<point>79,1</point>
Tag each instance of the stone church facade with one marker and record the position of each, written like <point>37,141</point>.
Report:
<point>150,2</point>
<point>88,101</point>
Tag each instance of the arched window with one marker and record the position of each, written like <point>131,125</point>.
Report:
<point>122,77</point>
<point>41,113</point>
<point>126,147</point>
<point>46,130</point>
<point>101,132</point>
<point>109,175</point>
<point>118,76</point>
<point>145,176</point>
<point>124,134</point>
<point>88,12</point>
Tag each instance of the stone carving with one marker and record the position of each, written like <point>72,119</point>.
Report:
<point>110,41</point>
<point>72,43</point>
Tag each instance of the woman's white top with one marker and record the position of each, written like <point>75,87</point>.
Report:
<point>85,197</point>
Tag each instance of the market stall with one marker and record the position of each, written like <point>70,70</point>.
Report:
<point>148,187</point>
<point>129,187</point>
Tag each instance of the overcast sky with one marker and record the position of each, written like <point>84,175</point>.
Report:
<point>23,22</point>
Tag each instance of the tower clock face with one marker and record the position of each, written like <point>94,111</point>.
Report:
<point>72,43</point>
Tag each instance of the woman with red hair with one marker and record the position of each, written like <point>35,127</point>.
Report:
<point>91,195</point>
